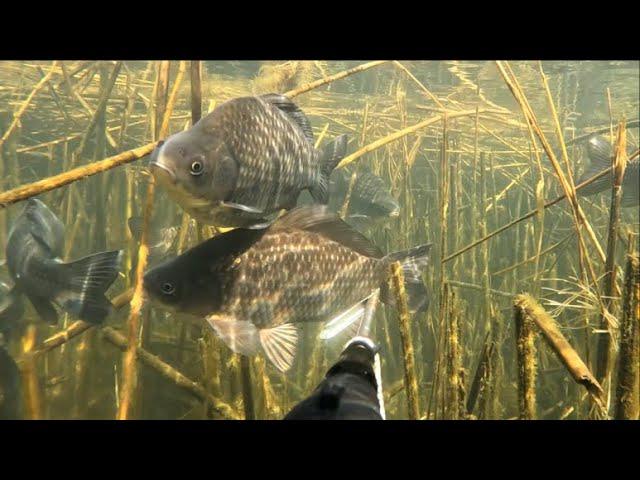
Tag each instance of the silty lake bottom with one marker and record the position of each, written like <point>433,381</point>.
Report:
<point>532,278</point>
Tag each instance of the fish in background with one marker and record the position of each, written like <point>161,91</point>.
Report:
<point>600,153</point>
<point>33,251</point>
<point>10,387</point>
<point>11,310</point>
<point>349,390</point>
<point>246,160</point>
<point>163,239</point>
<point>256,286</point>
<point>370,197</point>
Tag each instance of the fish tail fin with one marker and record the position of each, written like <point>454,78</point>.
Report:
<point>413,263</point>
<point>85,282</point>
<point>330,156</point>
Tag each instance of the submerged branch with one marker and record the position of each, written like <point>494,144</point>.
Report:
<point>56,181</point>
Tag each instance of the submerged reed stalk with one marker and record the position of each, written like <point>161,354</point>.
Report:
<point>78,173</point>
<point>167,371</point>
<point>247,390</point>
<point>332,78</point>
<point>526,351</point>
<point>400,134</point>
<point>32,393</point>
<point>410,378</point>
<point>603,365</point>
<point>129,366</point>
<point>526,216</point>
<point>454,361</point>
<point>628,388</point>
<point>23,107</point>
<point>480,374</point>
<point>559,344</point>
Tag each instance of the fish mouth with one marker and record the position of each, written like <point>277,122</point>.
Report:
<point>162,172</point>
<point>394,213</point>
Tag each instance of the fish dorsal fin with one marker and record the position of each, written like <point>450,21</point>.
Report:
<point>46,228</point>
<point>319,219</point>
<point>292,111</point>
<point>229,244</point>
<point>600,153</point>
<point>280,344</point>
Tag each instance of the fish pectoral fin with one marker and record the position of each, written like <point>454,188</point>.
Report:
<point>45,309</point>
<point>280,343</point>
<point>348,320</point>
<point>240,336</point>
<point>241,207</point>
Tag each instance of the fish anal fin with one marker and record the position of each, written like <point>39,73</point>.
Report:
<point>280,344</point>
<point>240,336</point>
<point>346,321</point>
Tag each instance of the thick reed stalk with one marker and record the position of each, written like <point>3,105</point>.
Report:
<point>65,178</point>
<point>29,374</point>
<point>454,358</point>
<point>23,107</point>
<point>167,371</point>
<point>480,374</point>
<point>603,364</point>
<point>196,91</point>
<point>560,346</point>
<point>628,387</point>
<point>247,390</point>
<point>410,378</point>
<point>526,352</point>
<point>101,107</point>
<point>332,78</point>
<point>129,364</point>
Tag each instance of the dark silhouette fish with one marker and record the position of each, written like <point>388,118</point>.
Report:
<point>255,286</point>
<point>600,154</point>
<point>370,196</point>
<point>10,387</point>
<point>349,390</point>
<point>33,252</point>
<point>246,160</point>
<point>11,310</point>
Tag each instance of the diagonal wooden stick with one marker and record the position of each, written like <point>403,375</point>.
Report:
<point>65,178</point>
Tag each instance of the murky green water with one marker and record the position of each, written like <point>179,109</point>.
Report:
<point>492,176</point>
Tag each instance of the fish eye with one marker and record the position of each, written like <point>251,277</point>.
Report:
<point>168,288</point>
<point>196,168</point>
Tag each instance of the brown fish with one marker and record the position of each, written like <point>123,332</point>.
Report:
<point>256,286</point>
<point>245,161</point>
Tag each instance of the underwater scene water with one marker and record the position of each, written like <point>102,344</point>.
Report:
<point>319,239</point>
